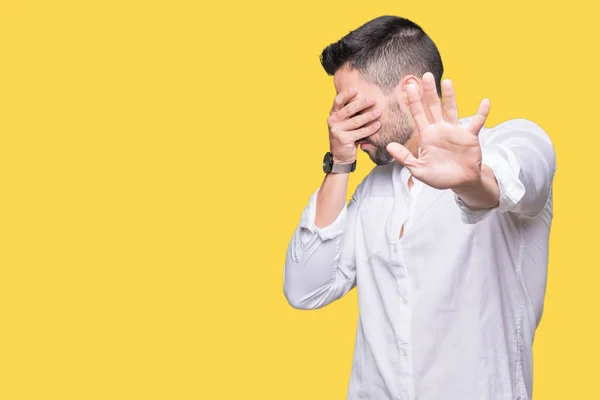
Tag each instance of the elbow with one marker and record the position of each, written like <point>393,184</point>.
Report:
<point>298,300</point>
<point>293,299</point>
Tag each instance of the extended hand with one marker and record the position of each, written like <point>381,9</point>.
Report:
<point>449,154</point>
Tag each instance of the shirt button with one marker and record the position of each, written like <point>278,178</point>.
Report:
<point>404,352</point>
<point>395,247</point>
<point>403,297</point>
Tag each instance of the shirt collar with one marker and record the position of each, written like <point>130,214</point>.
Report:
<point>404,176</point>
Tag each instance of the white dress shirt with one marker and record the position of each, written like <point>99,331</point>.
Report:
<point>449,310</point>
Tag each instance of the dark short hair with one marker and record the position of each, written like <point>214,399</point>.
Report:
<point>384,50</point>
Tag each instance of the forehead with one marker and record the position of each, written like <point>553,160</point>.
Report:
<point>346,78</point>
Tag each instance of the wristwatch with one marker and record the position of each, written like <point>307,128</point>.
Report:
<point>336,168</point>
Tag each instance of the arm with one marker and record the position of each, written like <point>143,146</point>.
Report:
<point>331,199</point>
<point>513,169</point>
<point>519,163</point>
<point>319,265</point>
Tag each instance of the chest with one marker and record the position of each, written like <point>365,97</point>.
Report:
<point>430,223</point>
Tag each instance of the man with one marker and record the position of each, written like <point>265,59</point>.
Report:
<point>446,239</point>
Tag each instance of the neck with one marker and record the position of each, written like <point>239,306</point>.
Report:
<point>413,144</point>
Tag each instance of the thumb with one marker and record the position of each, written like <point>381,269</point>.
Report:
<point>402,154</point>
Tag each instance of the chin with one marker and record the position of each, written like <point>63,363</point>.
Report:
<point>381,163</point>
<point>380,157</point>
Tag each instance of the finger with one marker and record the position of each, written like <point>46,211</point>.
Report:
<point>431,98</point>
<point>365,131</point>
<point>402,155</point>
<point>359,120</point>
<point>416,108</point>
<point>450,101</point>
<point>480,118</point>
<point>342,98</point>
<point>354,107</point>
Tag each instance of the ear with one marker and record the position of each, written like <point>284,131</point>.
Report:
<point>404,82</point>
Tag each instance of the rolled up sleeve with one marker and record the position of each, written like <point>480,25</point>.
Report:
<point>523,160</point>
<point>320,266</point>
<point>307,221</point>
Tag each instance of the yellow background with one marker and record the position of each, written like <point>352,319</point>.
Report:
<point>155,157</point>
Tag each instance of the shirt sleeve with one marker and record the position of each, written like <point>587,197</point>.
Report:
<point>320,266</point>
<point>523,160</point>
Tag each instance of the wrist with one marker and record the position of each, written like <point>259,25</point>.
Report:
<point>480,193</point>
<point>343,155</point>
<point>330,165</point>
<point>343,161</point>
<point>469,187</point>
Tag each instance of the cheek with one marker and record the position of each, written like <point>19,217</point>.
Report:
<point>382,134</point>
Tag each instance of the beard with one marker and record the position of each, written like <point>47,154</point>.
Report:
<point>397,128</point>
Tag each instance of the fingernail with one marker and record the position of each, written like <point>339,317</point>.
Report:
<point>352,90</point>
<point>377,111</point>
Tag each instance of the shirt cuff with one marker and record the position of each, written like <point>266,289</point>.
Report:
<point>307,221</point>
<point>469,215</point>
<point>506,170</point>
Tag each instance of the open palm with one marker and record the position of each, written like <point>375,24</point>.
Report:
<point>449,153</point>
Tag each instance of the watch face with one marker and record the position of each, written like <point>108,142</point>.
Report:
<point>327,161</point>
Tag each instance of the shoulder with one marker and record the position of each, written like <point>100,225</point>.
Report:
<point>516,129</point>
<point>521,138</point>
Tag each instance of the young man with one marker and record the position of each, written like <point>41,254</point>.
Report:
<point>446,239</point>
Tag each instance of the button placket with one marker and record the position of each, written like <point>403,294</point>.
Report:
<point>404,346</point>
<point>402,358</point>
